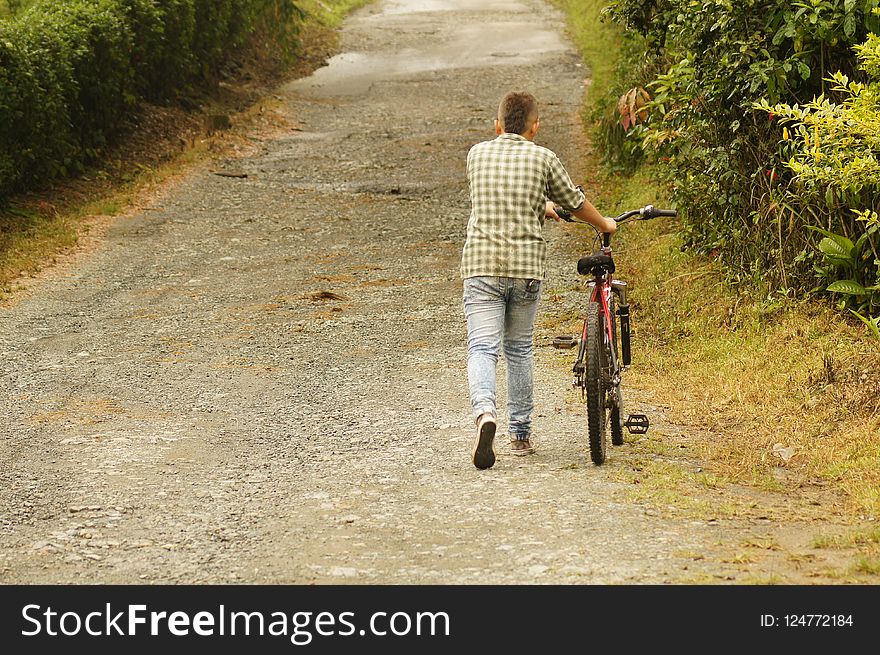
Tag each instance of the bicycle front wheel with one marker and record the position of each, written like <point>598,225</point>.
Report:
<point>594,383</point>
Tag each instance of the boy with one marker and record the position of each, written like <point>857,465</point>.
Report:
<point>514,184</point>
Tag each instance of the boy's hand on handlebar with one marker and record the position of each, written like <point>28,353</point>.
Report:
<point>551,211</point>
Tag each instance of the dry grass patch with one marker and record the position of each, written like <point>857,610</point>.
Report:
<point>867,566</point>
<point>855,539</point>
<point>672,488</point>
<point>773,385</point>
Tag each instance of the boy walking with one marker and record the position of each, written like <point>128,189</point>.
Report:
<point>514,184</point>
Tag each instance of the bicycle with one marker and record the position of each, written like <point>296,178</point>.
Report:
<point>603,351</point>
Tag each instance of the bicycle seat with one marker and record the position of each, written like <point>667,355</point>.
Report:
<point>588,265</point>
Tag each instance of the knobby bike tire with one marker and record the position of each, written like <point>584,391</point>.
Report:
<point>594,384</point>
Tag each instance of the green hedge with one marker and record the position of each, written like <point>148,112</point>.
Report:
<point>163,57</point>
<point>70,71</point>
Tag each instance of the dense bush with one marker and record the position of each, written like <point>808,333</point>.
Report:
<point>833,150</point>
<point>96,43</point>
<point>163,32</point>
<point>725,158</point>
<point>619,138</point>
<point>70,71</point>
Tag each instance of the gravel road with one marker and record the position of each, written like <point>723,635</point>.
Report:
<point>262,378</point>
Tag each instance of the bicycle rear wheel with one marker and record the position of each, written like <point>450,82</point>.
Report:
<point>594,383</point>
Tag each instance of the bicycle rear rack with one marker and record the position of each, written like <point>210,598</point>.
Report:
<point>637,424</point>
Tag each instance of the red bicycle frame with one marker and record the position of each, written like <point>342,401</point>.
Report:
<point>602,295</point>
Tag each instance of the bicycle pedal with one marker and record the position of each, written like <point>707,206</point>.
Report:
<point>637,424</point>
<point>564,342</point>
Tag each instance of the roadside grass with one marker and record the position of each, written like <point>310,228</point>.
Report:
<point>783,392</point>
<point>849,539</point>
<point>330,12</point>
<point>596,39</point>
<point>29,240</point>
<point>39,228</point>
<point>774,392</point>
<point>869,566</point>
<point>673,490</point>
<point>865,542</point>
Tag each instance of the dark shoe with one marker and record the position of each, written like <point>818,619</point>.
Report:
<point>521,447</point>
<point>484,450</point>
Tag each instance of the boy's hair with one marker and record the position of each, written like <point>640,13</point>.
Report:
<point>517,111</point>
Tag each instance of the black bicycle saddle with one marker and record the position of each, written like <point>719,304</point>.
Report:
<point>588,265</point>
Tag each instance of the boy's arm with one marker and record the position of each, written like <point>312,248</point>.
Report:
<point>587,213</point>
<point>592,216</point>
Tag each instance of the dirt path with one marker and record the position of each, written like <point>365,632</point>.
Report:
<point>262,379</point>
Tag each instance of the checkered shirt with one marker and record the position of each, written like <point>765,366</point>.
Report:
<point>510,180</point>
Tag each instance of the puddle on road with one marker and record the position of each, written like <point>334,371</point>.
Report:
<point>400,7</point>
<point>481,43</point>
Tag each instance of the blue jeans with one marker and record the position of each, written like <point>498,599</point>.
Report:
<point>502,310</point>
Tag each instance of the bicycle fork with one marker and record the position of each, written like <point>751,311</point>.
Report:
<point>618,288</point>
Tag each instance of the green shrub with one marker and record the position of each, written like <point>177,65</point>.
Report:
<point>98,42</point>
<point>620,140</point>
<point>162,38</point>
<point>719,154</point>
<point>13,7</point>
<point>36,86</point>
<point>217,29</point>
<point>832,147</point>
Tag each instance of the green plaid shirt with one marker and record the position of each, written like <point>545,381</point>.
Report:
<point>510,181</point>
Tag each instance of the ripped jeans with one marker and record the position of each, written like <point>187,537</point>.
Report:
<point>501,310</point>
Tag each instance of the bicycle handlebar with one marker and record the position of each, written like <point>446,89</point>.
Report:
<point>645,213</point>
<point>652,212</point>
